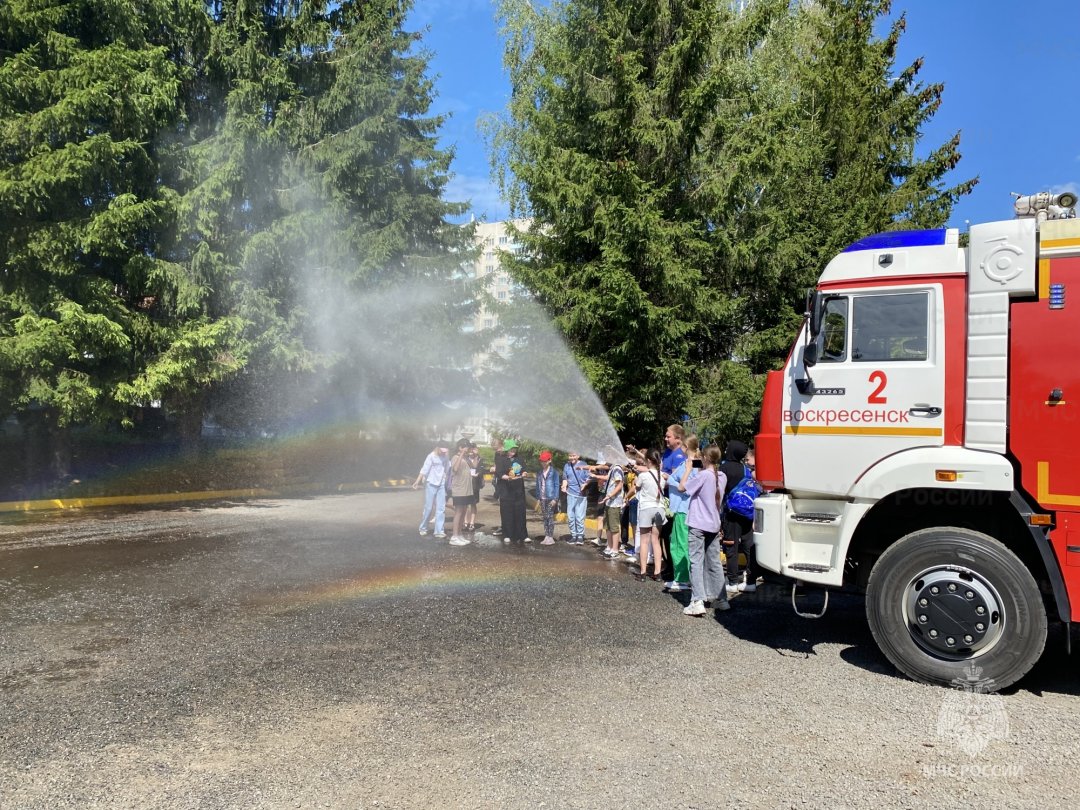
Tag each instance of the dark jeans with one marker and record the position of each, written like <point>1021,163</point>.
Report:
<point>667,570</point>
<point>741,531</point>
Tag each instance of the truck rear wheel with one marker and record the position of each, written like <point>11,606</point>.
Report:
<point>955,607</point>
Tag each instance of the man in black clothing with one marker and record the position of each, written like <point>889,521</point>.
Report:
<point>738,530</point>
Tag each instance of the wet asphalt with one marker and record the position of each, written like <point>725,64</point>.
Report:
<point>320,653</point>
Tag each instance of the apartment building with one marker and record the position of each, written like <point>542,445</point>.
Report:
<point>493,239</point>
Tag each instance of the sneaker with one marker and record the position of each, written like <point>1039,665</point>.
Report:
<point>610,554</point>
<point>733,588</point>
<point>674,587</point>
<point>548,541</point>
<point>721,606</point>
<point>695,608</point>
<point>631,559</point>
<point>747,587</point>
<point>528,539</point>
<point>506,539</point>
<point>598,542</point>
<point>440,535</point>
<point>459,541</point>
<point>580,541</point>
<point>423,532</point>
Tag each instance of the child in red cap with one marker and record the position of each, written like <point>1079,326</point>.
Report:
<point>547,493</point>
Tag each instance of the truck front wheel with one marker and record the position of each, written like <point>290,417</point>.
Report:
<point>955,607</point>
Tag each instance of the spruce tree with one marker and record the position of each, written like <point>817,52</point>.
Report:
<point>609,102</point>
<point>85,87</point>
<point>689,168</point>
<point>819,145</point>
<point>312,175</point>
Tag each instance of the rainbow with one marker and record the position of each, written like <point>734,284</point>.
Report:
<point>491,572</point>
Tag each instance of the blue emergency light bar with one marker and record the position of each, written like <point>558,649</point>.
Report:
<point>898,239</point>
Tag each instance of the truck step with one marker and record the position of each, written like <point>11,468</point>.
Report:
<point>815,517</point>
<point>811,568</point>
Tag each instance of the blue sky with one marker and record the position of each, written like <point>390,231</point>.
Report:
<point>1010,68</point>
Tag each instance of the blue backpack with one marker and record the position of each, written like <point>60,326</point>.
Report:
<point>741,499</point>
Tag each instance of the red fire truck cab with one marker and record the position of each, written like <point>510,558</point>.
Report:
<point>920,442</point>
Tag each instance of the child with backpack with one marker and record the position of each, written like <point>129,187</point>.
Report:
<point>738,518</point>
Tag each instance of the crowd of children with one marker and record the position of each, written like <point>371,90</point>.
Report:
<point>668,512</point>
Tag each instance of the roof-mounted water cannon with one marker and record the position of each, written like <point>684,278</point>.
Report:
<point>1044,205</point>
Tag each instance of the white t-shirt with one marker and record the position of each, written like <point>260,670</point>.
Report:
<point>647,489</point>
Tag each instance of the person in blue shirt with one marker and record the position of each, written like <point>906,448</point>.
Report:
<point>674,456</point>
<point>575,478</point>
<point>680,504</point>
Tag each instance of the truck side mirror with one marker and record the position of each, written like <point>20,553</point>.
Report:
<point>810,355</point>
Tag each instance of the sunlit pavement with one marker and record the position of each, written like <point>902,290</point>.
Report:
<point>320,652</point>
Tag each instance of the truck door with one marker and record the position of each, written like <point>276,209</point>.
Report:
<point>878,386</point>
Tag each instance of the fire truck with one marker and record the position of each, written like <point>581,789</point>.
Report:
<point>922,443</point>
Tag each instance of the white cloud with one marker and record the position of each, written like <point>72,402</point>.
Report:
<point>481,192</point>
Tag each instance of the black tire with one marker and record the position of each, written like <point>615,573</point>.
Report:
<point>922,603</point>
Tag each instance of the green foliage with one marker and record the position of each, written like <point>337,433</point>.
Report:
<point>826,154</point>
<point>610,99</point>
<point>185,185</point>
<point>321,180</point>
<point>690,167</point>
<point>84,88</point>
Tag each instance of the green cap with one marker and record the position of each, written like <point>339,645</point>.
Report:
<point>509,444</point>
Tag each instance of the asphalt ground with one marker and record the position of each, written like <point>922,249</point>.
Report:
<point>319,653</point>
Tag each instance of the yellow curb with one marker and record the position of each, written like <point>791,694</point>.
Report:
<point>177,497</point>
<point>121,500</point>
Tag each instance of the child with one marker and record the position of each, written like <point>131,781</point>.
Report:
<point>703,517</point>
<point>650,486</point>
<point>613,500</point>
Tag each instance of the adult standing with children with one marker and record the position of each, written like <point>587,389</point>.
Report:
<point>674,456</point>
<point>435,472</point>
<point>680,504</point>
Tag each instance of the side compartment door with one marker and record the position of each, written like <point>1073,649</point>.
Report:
<point>878,387</point>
